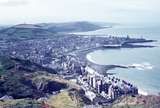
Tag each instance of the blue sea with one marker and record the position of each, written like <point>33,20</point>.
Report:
<point>146,75</point>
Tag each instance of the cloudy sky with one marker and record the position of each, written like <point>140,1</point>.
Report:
<point>119,11</point>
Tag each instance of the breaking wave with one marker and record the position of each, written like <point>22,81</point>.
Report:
<point>89,57</point>
<point>142,66</point>
<point>141,92</point>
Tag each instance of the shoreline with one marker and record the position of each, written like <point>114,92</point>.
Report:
<point>144,93</point>
<point>136,66</point>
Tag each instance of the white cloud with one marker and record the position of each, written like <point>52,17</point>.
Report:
<point>18,11</point>
<point>11,3</point>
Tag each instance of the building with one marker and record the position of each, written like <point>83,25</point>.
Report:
<point>99,86</point>
<point>92,81</point>
<point>105,87</point>
<point>114,92</point>
<point>90,95</point>
<point>91,71</point>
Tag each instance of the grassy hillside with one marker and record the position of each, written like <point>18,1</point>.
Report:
<point>138,102</point>
<point>24,33</point>
<point>45,30</point>
<point>65,100</point>
<point>81,26</point>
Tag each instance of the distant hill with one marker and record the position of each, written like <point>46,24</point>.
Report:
<point>44,30</point>
<point>82,26</point>
<point>104,24</point>
<point>29,26</point>
<point>24,31</point>
<point>2,27</point>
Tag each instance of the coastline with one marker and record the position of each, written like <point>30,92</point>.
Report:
<point>136,66</point>
<point>141,92</point>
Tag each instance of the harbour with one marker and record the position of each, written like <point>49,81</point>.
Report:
<point>144,60</point>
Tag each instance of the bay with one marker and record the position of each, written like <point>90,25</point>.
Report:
<point>147,60</point>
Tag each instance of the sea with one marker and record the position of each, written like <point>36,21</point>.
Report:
<point>146,75</point>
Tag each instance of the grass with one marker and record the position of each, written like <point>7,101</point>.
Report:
<point>19,103</point>
<point>63,100</point>
<point>129,106</point>
<point>138,102</point>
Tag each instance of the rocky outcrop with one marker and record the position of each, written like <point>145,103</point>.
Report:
<point>48,86</point>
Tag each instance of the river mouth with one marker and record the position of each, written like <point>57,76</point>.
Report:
<point>142,66</point>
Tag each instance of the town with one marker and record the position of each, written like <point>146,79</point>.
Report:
<point>67,60</point>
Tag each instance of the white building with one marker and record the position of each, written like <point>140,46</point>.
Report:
<point>91,71</point>
<point>99,84</point>
<point>90,95</point>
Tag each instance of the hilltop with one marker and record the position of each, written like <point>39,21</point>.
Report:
<point>81,26</point>
<point>24,31</point>
<point>44,30</point>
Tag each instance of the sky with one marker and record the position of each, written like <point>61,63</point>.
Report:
<point>43,11</point>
